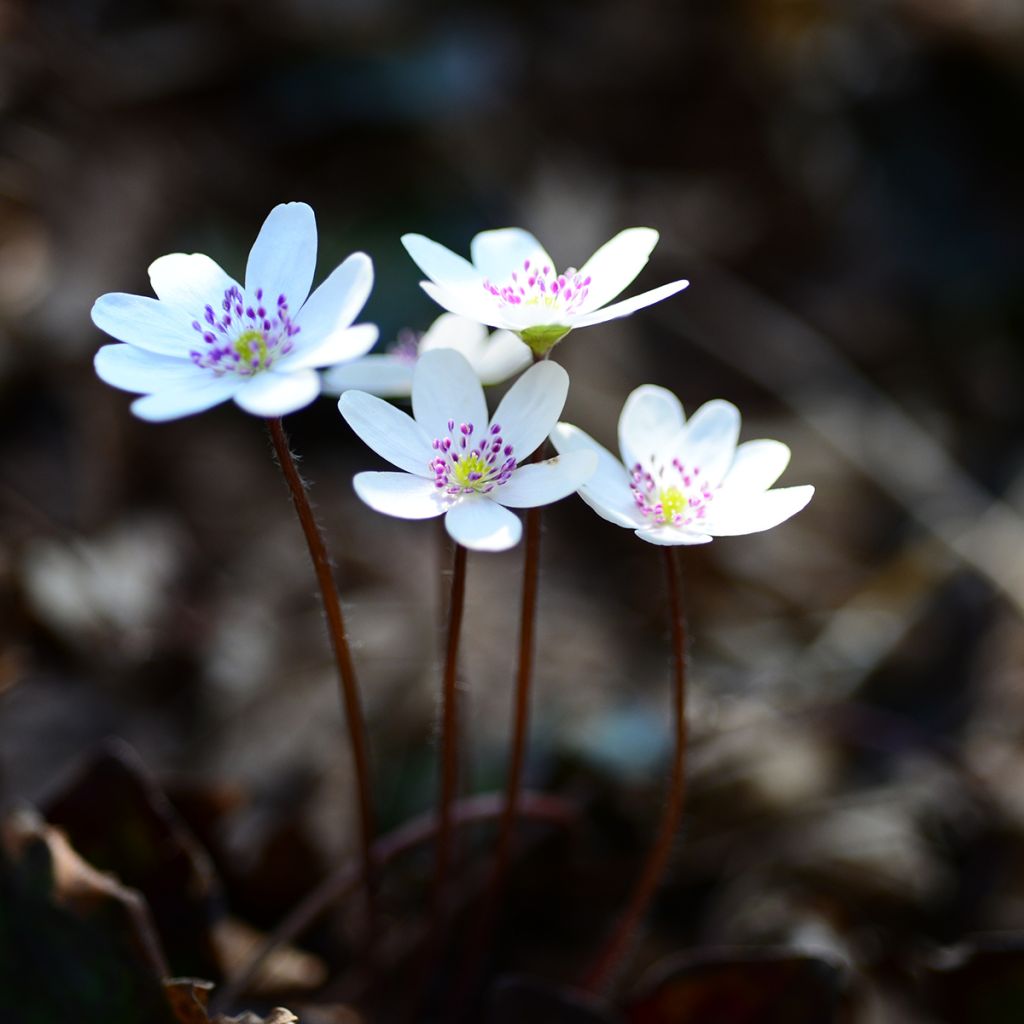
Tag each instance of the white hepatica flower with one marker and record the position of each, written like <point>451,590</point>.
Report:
<point>512,283</point>
<point>494,358</point>
<point>206,338</point>
<point>456,462</point>
<point>684,482</point>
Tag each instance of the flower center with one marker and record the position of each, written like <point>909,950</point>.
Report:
<point>671,494</point>
<point>467,463</point>
<point>406,346</point>
<point>541,286</point>
<point>244,338</point>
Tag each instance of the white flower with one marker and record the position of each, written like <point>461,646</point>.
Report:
<point>512,282</point>
<point>206,339</point>
<point>684,482</point>
<point>494,358</point>
<point>456,462</point>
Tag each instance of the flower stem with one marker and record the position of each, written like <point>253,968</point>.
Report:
<point>342,654</point>
<point>601,971</point>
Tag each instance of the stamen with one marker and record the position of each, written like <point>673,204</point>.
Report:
<point>474,468</point>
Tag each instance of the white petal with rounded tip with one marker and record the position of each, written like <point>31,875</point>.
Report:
<point>391,433</point>
<point>669,536</point>
<point>399,494</point>
<point>440,264</point>
<point>134,369</point>
<point>541,483</point>
<point>503,355</point>
<point>384,375</point>
<point>755,467</point>
<point>616,265</point>
<point>708,441</point>
<point>145,323</point>
<point>651,416</point>
<point>482,525</point>
<point>754,514</point>
<point>276,394</point>
<point>607,491</point>
<point>444,387</point>
<point>450,330</point>
<point>190,281</point>
<point>499,253</point>
<point>628,306</point>
<point>283,257</point>
<point>338,347</point>
<point>176,402</point>
<point>337,302</point>
<point>482,308</point>
<point>530,409</point>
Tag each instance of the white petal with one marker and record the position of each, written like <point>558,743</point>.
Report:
<point>145,323</point>
<point>755,467</point>
<point>669,536</point>
<point>754,514</point>
<point>190,281</point>
<point>276,394</point>
<point>651,416</point>
<point>627,306</point>
<point>184,401</point>
<point>134,369</point>
<point>450,330</point>
<point>337,302</point>
<point>708,442</point>
<point>496,254</point>
<point>475,305</point>
<point>616,265</point>
<point>399,494</point>
<point>607,491</point>
<point>391,433</point>
<point>283,257</point>
<point>541,483</point>
<point>338,347</point>
<point>384,375</point>
<point>503,356</point>
<point>444,387</point>
<point>530,409</point>
<point>481,525</point>
<point>442,265</point>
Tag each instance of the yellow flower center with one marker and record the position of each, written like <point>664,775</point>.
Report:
<point>471,472</point>
<point>251,349</point>
<point>673,503</point>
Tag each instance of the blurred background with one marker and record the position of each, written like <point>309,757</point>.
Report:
<point>841,183</point>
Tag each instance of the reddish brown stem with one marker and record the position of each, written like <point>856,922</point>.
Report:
<point>602,970</point>
<point>339,644</point>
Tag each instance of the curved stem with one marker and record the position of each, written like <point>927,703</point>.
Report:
<point>339,644</point>
<point>608,959</point>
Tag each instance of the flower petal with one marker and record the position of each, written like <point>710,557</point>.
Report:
<point>337,302</point>
<point>482,525</point>
<point>616,265</point>
<point>440,264</point>
<point>145,323</point>
<point>391,433</point>
<point>530,409</point>
<point>283,257</point>
<point>627,306</point>
<point>499,253</point>
<point>502,356</point>
<point>444,387</point>
<point>481,308</point>
<point>383,375</point>
<point>134,369</point>
<point>190,281</point>
<point>754,514</point>
<point>176,402</point>
<point>708,441</point>
<point>337,347</point>
<point>450,330</point>
<point>651,416</point>
<point>541,483</point>
<point>276,394</point>
<point>607,491</point>
<point>755,467</point>
<point>400,494</point>
<point>668,536</point>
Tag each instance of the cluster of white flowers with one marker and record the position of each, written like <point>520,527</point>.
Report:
<point>206,339</point>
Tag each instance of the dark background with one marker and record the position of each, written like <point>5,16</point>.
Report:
<point>840,183</point>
